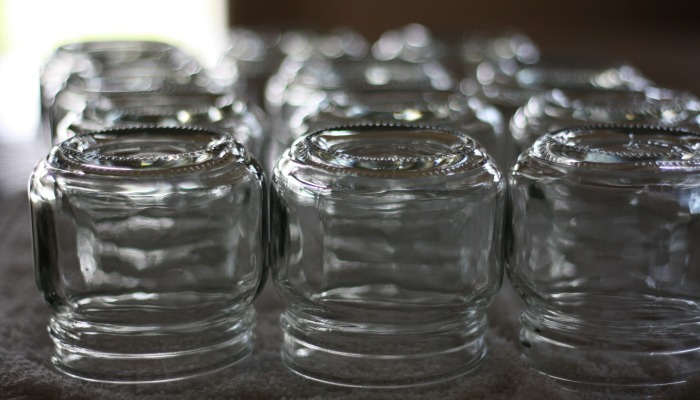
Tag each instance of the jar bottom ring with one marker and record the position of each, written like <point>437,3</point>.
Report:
<point>392,361</point>
<point>171,354</point>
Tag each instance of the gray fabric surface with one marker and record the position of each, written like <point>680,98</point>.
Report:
<point>25,371</point>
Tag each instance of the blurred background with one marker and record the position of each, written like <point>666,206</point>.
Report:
<point>31,29</point>
<point>661,38</point>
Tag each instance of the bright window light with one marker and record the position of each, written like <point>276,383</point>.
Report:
<point>31,29</point>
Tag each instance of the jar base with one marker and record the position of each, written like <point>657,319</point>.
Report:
<point>380,358</point>
<point>142,354</point>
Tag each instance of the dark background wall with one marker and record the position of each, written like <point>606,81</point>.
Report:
<point>661,37</point>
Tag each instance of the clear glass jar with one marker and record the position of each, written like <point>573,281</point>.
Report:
<point>253,55</point>
<point>88,59</point>
<point>603,249</point>
<point>511,88</point>
<point>295,95</point>
<point>149,247</point>
<point>310,85</point>
<point>227,113</point>
<point>386,252</point>
<point>256,54</point>
<point>78,92</point>
<point>560,108</point>
<point>473,116</point>
<point>128,58</point>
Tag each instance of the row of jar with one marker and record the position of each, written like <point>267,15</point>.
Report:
<point>78,109</point>
<point>100,85</point>
<point>385,241</point>
<point>254,56</point>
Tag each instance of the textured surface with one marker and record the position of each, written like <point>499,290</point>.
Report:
<point>25,371</point>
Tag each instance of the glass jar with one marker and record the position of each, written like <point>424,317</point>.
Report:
<point>186,107</point>
<point>315,79</point>
<point>149,247</point>
<point>511,88</point>
<point>560,108</point>
<point>127,58</point>
<point>301,93</point>
<point>78,92</point>
<point>475,117</point>
<point>256,54</point>
<point>253,55</point>
<point>603,249</point>
<point>386,252</point>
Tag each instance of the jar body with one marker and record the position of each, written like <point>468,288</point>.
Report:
<point>605,259</point>
<point>150,273</point>
<point>385,281</point>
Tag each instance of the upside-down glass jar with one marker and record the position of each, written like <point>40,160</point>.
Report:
<point>510,88</point>
<point>184,107</point>
<point>111,59</point>
<point>78,92</point>
<point>149,247</point>
<point>256,54</point>
<point>604,228</point>
<point>386,251</point>
<point>303,92</point>
<point>315,79</point>
<point>480,120</point>
<point>559,108</point>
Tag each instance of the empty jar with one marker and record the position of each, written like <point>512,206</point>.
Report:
<point>312,83</point>
<point>128,64</point>
<point>386,252</point>
<point>184,107</point>
<point>558,109</point>
<point>292,98</point>
<point>480,120</point>
<point>511,85</point>
<point>149,247</point>
<point>254,55</point>
<point>603,250</point>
